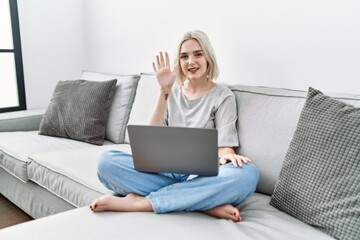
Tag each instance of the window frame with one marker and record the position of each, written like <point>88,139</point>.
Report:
<point>18,58</point>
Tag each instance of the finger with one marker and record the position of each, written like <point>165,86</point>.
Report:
<point>158,62</point>
<point>154,67</point>
<point>240,160</point>
<point>222,161</point>
<point>245,159</point>
<point>162,59</point>
<point>167,60</point>
<point>235,161</point>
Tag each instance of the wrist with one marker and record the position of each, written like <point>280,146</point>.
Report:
<point>165,93</point>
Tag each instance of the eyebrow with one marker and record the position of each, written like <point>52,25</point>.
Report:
<point>197,51</point>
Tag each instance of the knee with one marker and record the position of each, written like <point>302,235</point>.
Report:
<point>245,180</point>
<point>252,174</point>
<point>112,161</point>
<point>109,159</point>
<point>104,161</point>
<point>247,175</point>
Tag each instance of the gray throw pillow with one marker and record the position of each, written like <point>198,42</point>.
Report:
<point>125,91</point>
<point>79,110</point>
<point>319,182</point>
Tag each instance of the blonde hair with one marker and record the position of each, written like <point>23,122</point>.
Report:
<point>204,42</point>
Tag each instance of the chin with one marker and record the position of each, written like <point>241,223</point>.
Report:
<point>195,77</point>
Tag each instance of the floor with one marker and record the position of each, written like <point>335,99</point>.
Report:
<point>10,214</point>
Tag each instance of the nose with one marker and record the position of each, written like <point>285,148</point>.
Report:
<point>191,60</point>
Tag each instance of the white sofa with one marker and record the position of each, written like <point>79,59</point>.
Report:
<point>46,175</point>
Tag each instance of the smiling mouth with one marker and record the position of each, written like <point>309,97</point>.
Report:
<point>193,70</point>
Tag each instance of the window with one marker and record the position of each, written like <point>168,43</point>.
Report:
<point>12,91</point>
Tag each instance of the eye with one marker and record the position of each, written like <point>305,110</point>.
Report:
<point>183,57</point>
<point>199,54</point>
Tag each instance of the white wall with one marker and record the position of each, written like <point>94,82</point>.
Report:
<point>52,39</point>
<point>280,43</point>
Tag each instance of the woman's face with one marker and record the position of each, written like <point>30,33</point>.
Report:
<point>192,60</point>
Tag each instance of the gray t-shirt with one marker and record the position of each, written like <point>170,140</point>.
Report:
<point>215,109</point>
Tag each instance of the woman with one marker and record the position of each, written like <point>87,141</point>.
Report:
<point>195,102</point>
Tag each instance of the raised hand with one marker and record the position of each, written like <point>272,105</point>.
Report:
<point>164,75</point>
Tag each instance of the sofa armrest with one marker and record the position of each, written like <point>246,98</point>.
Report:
<point>27,120</point>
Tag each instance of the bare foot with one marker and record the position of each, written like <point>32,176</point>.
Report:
<point>225,211</point>
<point>131,203</point>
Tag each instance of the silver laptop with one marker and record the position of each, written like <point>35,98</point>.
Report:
<point>162,149</point>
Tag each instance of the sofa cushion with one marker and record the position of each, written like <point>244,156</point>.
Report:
<point>319,180</point>
<point>15,147</point>
<point>71,174</point>
<point>146,95</point>
<point>261,221</point>
<point>30,197</point>
<point>121,104</point>
<point>267,121</point>
<point>79,110</point>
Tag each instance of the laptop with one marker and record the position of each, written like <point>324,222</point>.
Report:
<point>163,149</point>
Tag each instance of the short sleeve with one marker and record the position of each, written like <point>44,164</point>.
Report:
<point>225,122</point>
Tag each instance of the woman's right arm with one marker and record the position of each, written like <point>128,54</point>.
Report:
<point>166,79</point>
<point>157,116</point>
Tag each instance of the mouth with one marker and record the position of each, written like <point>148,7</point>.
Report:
<point>193,69</point>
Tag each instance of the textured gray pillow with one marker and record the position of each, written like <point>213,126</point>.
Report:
<point>319,182</point>
<point>121,106</point>
<point>79,110</point>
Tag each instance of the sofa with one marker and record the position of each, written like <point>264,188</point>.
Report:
<point>53,179</point>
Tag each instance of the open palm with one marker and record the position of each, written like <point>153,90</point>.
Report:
<point>164,75</point>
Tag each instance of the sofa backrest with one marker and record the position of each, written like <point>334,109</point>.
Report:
<point>145,98</point>
<point>267,119</point>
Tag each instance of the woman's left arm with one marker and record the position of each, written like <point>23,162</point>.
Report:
<point>227,154</point>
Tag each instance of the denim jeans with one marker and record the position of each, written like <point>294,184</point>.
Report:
<point>169,192</point>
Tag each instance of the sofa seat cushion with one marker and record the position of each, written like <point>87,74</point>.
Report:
<point>15,147</point>
<point>261,221</point>
<point>71,174</point>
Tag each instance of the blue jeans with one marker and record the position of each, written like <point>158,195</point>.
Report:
<point>169,192</point>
